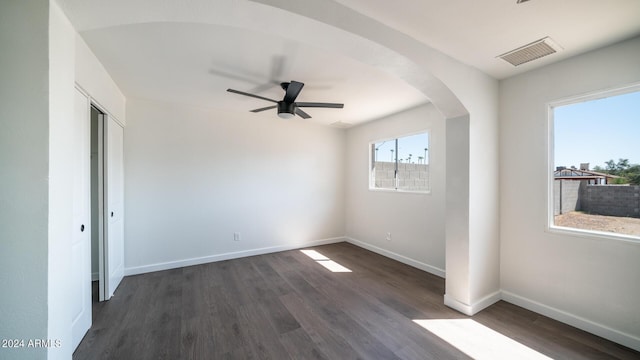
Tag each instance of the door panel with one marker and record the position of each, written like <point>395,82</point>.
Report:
<point>81,238</point>
<point>115,205</point>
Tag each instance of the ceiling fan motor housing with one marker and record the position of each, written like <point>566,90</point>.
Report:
<point>286,110</point>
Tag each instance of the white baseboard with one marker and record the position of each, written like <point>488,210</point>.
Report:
<point>474,308</point>
<point>401,258</point>
<point>606,332</point>
<point>226,256</point>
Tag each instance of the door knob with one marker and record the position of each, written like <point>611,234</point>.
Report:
<point>112,214</point>
<point>82,228</point>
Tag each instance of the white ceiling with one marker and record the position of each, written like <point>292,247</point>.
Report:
<point>475,32</point>
<point>191,52</point>
<point>195,63</point>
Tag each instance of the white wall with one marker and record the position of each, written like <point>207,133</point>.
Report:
<point>589,282</point>
<point>195,176</point>
<point>97,83</point>
<point>416,221</point>
<point>24,158</point>
<point>61,162</point>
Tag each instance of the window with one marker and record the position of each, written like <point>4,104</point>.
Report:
<point>400,164</point>
<point>595,164</point>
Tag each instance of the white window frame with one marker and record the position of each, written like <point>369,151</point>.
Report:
<point>396,190</point>
<point>551,227</point>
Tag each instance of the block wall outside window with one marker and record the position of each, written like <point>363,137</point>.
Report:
<point>400,164</point>
<point>595,163</point>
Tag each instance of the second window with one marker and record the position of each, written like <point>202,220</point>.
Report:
<point>401,163</point>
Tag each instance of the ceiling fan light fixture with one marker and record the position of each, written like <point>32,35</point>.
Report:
<point>286,110</point>
<point>285,115</point>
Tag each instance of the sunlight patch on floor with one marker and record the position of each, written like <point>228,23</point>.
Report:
<point>333,266</point>
<point>325,261</point>
<point>479,341</point>
<point>314,255</point>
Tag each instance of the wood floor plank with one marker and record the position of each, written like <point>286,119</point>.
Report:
<point>331,343</point>
<point>300,345</point>
<point>222,325</point>
<point>339,321</point>
<point>390,327</point>
<point>287,306</point>
<point>163,320</point>
<point>269,275</point>
<point>194,332</point>
<point>259,336</point>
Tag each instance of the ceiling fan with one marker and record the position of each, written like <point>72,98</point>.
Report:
<point>288,107</point>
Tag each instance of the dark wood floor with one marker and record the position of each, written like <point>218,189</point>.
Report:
<point>287,306</point>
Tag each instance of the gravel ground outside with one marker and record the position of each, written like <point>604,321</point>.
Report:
<point>614,224</point>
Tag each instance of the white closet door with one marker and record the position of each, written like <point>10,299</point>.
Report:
<point>81,239</point>
<point>114,187</point>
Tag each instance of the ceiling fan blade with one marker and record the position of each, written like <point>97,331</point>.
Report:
<point>251,95</point>
<point>277,69</point>
<point>264,87</point>
<point>320,105</point>
<point>302,114</point>
<point>232,76</point>
<point>264,108</point>
<point>277,66</point>
<point>293,90</point>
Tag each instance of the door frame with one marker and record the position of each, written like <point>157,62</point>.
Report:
<point>103,238</point>
<point>101,203</point>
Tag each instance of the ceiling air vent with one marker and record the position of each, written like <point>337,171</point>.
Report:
<point>529,52</point>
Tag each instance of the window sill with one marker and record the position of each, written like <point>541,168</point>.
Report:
<point>401,191</point>
<point>593,234</point>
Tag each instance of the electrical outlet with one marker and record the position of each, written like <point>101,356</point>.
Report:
<point>236,236</point>
<point>388,236</point>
